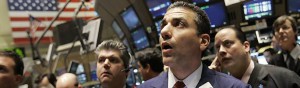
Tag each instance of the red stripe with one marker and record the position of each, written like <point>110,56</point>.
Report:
<point>26,40</point>
<point>67,0</point>
<point>83,9</point>
<point>25,28</point>
<point>46,18</point>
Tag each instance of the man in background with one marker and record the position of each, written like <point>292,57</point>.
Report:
<point>233,56</point>
<point>46,80</point>
<point>67,80</point>
<point>285,31</point>
<point>11,69</point>
<point>150,63</point>
<point>112,64</point>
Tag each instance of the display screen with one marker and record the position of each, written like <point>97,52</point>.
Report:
<point>217,14</point>
<point>140,38</point>
<point>130,18</point>
<point>199,1</point>
<point>293,6</point>
<point>158,7</point>
<point>117,29</point>
<point>257,9</point>
<point>157,24</point>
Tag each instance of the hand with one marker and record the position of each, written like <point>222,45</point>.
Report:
<point>215,65</point>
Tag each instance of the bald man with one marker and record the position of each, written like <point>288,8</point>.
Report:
<point>67,80</point>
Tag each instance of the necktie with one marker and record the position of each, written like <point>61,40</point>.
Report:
<point>179,84</point>
<point>291,63</point>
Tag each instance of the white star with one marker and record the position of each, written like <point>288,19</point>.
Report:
<point>21,8</point>
<point>25,4</point>
<point>12,7</point>
<point>17,4</point>
<point>49,4</point>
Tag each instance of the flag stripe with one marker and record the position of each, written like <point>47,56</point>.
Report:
<point>24,34</point>
<point>26,28</point>
<point>46,18</point>
<point>26,40</point>
<point>20,22</point>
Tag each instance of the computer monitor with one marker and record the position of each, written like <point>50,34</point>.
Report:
<point>140,38</point>
<point>158,8</point>
<point>256,9</point>
<point>200,1</point>
<point>293,6</point>
<point>117,29</point>
<point>157,24</point>
<point>130,18</point>
<point>217,14</point>
<point>92,33</point>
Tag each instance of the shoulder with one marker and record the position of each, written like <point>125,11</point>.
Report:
<point>226,81</point>
<point>156,81</point>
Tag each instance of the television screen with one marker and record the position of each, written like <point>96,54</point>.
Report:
<point>117,29</point>
<point>157,24</point>
<point>216,13</point>
<point>130,18</point>
<point>256,9</point>
<point>199,1</point>
<point>158,7</point>
<point>293,6</point>
<point>125,41</point>
<point>140,38</point>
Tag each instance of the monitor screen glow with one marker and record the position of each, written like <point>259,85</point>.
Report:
<point>130,18</point>
<point>256,9</point>
<point>293,6</point>
<point>158,7</point>
<point>217,14</point>
<point>140,39</point>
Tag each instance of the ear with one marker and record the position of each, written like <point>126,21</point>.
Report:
<point>204,41</point>
<point>148,68</point>
<point>247,46</point>
<point>19,79</point>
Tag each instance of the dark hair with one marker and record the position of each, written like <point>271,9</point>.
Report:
<point>115,45</point>
<point>238,33</point>
<point>51,78</point>
<point>271,50</point>
<point>202,21</point>
<point>19,65</point>
<point>151,56</point>
<point>281,20</point>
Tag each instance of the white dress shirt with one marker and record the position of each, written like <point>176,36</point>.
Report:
<point>191,81</point>
<point>247,74</point>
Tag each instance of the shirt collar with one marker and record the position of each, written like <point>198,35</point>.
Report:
<point>295,52</point>
<point>248,72</point>
<point>191,81</point>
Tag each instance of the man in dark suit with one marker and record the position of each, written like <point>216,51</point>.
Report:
<point>285,31</point>
<point>233,56</point>
<point>184,37</point>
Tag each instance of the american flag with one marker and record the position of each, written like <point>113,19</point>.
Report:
<point>45,11</point>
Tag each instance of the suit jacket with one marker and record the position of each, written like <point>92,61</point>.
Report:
<point>278,60</point>
<point>216,79</point>
<point>269,76</point>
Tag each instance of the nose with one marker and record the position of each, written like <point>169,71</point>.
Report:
<point>106,64</point>
<point>222,51</point>
<point>165,32</point>
<point>280,30</point>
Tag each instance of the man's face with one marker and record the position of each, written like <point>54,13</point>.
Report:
<point>232,54</point>
<point>179,40</point>
<point>109,68</point>
<point>7,77</point>
<point>143,71</point>
<point>285,35</point>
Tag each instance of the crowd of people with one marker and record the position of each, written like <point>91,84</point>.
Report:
<point>184,38</point>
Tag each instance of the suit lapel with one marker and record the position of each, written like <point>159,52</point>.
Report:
<point>163,83</point>
<point>258,76</point>
<point>207,76</point>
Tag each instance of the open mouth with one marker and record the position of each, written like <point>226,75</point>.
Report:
<point>166,46</point>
